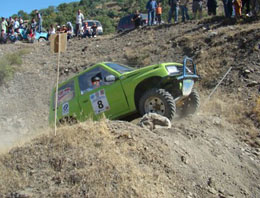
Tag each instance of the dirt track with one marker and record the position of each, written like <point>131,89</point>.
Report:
<point>208,152</point>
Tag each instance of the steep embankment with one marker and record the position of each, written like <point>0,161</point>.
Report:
<point>199,157</point>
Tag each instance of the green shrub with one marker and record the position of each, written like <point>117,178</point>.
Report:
<point>8,63</point>
<point>6,70</point>
<point>14,59</point>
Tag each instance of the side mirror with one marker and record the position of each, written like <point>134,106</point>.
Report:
<point>110,78</point>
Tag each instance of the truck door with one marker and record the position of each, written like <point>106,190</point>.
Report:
<point>106,97</point>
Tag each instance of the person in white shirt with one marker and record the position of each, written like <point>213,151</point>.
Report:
<point>16,23</point>
<point>52,30</point>
<point>79,21</point>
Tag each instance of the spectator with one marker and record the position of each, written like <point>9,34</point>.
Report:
<point>136,19</point>
<point>86,31</point>
<point>246,3</point>
<point>212,7</point>
<point>159,13</point>
<point>58,29</point>
<point>3,37</point>
<point>151,7</point>
<point>13,36</point>
<point>79,21</point>
<point>4,25</point>
<point>63,29</point>
<point>33,24</point>
<point>228,8</point>
<point>52,30</point>
<point>21,22</point>
<point>70,31</point>
<point>31,36</point>
<point>39,18</point>
<point>255,7</point>
<point>197,8</point>
<point>16,23</point>
<point>184,10</point>
<point>19,35</point>
<point>94,30</point>
<point>238,8</point>
<point>174,7</point>
<point>10,26</point>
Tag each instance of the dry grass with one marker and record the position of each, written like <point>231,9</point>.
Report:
<point>86,160</point>
<point>256,110</point>
<point>228,107</point>
<point>138,57</point>
<point>8,64</point>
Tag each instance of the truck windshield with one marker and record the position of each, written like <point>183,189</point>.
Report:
<point>120,68</point>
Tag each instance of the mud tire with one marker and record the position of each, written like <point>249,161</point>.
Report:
<point>160,98</point>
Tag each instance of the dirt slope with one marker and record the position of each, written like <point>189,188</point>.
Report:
<point>202,156</point>
<point>196,158</point>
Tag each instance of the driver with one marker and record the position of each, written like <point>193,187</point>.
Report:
<point>96,82</point>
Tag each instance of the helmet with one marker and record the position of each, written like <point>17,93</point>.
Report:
<point>95,78</point>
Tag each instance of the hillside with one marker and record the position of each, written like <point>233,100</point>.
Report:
<point>212,154</point>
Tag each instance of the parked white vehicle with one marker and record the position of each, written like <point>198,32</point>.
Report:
<point>91,22</point>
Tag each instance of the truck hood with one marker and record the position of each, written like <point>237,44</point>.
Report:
<point>141,70</point>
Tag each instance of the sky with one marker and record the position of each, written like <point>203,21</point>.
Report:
<point>10,7</point>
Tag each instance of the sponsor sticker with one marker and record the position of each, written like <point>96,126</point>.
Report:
<point>99,102</point>
<point>65,109</point>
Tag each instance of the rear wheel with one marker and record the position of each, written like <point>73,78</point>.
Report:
<point>190,104</point>
<point>157,101</point>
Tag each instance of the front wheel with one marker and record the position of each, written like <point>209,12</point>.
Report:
<point>190,104</point>
<point>157,101</point>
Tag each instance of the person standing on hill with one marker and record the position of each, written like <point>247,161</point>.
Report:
<point>79,21</point>
<point>228,8</point>
<point>212,7</point>
<point>16,23</point>
<point>238,8</point>
<point>184,10</point>
<point>3,25</point>
<point>246,3</point>
<point>39,20</point>
<point>197,8</point>
<point>151,7</point>
<point>255,5</point>
<point>159,13</point>
<point>174,7</point>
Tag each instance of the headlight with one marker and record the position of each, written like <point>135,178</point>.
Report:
<point>172,69</point>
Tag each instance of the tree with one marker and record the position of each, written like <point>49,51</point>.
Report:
<point>23,14</point>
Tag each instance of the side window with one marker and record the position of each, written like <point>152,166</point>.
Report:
<point>92,80</point>
<point>105,73</point>
<point>66,93</point>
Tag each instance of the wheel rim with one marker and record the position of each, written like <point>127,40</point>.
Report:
<point>154,105</point>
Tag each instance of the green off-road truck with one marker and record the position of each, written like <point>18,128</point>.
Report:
<point>118,91</point>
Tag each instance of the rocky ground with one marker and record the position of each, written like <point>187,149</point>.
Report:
<point>212,154</point>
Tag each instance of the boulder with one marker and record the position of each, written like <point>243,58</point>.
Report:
<point>154,121</point>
